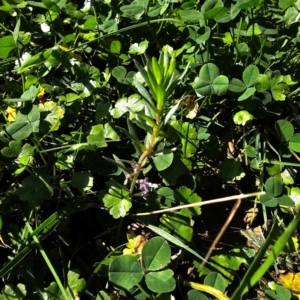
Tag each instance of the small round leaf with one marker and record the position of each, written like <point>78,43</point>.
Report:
<point>268,200</point>
<point>250,75</point>
<point>119,73</point>
<point>273,186</point>
<point>156,254</point>
<point>242,117</point>
<point>236,86</point>
<point>284,129</point>
<point>161,281</point>
<point>195,295</point>
<point>162,162</point>
<point>248,93</point>
<point>295,142</point>
<point>285,200</point>
<point>215,280</point>
<point>125,271</point>
<point>220,85</point>
<point>209,72</point>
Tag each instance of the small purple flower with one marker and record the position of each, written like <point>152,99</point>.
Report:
<point>145,186</point>
<point>134,167</point>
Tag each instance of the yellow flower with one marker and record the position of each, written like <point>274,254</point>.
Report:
<point>11,113</point>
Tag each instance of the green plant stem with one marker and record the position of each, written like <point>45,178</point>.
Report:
<point>237,40</point>
<point>143,158</point>
<point>49,264</point>
<point>37,147</point>
<point>148,296</point>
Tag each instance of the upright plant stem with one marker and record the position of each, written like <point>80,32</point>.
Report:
<point>49,264</point>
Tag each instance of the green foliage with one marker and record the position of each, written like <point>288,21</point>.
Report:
<point>119,116</point>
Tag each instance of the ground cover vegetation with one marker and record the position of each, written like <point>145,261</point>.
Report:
<point>121,120</point>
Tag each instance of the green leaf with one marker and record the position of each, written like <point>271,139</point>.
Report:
<point>294,142</point>
<point>278,91</point>
<point>102,296</point>
<point>125,272</point>
<point>284,129</point>
<point>203,35</point>
<point>236,86</point>
<point>268,200</point>
<point>209,72</point>
<point>178,224</point>
<point>195,295</point>
<point>250,151</point>
<point>185,195</point>
<point>286,177</point>
<point>231,170</point>
<point>24,124</point>
<point>90,24</point>
<point>242,117</point>
<point>7,43</point>
<point>188,136</point>
<point>115,47</point>
<point>83,181</point>
<point>285,200</point>
<point>263,83</point>
<point>215,280</point>
<point>156,254</point>
<point>12,292</point>
<point>250,75</point>
<point>36,60</point>
<point>245,4</point>
<point>215,13</point>
<point>161,281</point>
<point>119,73</point>
<point>160,97</point>
<point>17,31</point>
<point>203,84</point>
<point>157,71</point>
<point>173,240</point>
<point>248,93</point>
<point>13,150</point>
<point>121,107</point>
<point>96,136</point>
<point>243,49</point>
<point>220,85</point>
<point>35,188</point>
<point>54,114</point>
<point>132,10</point>
<point>54,5</point>
<point>139,48</point>
<point>273,186</point>
<point>149,102</point>
<point>295,195</point>
<point>203,87</point>
<point>74,283</point>
<point>110,133</point>
<point>191,15</point>
<point>163,161</point>
<point>225,264</point>
<point>284,4</point>
<point>118,201</point>
<point>166,196</point>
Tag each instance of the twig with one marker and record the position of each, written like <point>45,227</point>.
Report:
<point>221,232</point>
<point>235,197</point>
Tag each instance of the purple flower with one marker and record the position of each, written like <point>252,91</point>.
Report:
<point>145,186</point>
